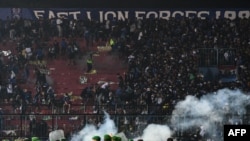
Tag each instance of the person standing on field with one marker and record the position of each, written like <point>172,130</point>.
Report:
<point>89,64</point>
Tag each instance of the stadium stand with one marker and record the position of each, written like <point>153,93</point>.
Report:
<point>163,61</point>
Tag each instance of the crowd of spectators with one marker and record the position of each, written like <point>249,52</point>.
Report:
<point>162,57</point>
<point>163,60</point>
<point>163,63</point>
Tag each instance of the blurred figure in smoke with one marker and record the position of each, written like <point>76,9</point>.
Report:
<point>170,139</point>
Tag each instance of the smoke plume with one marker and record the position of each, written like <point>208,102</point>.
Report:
<point>222,107</point>
<point>86,134</point>
<point>155,132</point>
<point>208,113</point>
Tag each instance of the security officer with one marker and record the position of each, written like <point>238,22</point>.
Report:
<point>89,64</point>
<point>96,138</point>
<point>107,137</point>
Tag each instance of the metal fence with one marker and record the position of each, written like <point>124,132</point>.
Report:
<point>15,122</point>
<point>17,125</point>
<point>211,57</point>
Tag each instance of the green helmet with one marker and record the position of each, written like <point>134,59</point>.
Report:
<point>107,137</point>
<point>96,138</point>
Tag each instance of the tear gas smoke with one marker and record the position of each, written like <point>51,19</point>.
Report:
<point>207,113</point>
<point>210,111</point>
<point>86,134</point>
<point>155,132</point>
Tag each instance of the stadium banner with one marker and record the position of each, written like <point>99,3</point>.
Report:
<point>102,14</point>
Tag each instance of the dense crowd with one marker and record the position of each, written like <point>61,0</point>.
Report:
<point>163,60</point>
<point>162,57</point>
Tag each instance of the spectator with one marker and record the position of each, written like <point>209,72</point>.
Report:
<point>37,100</point>
<point>71,54</point>
<point>67,103</point>
<point>50,96</point>
<point>33,127</point>
<point>59,23</point>
<point>161,57</point>
<point>64,46</point>
<point>1,119</point>
<point>52,52</point>
<point>56,47</point>
<point>43,129</point>
<point>87,93</point>
<point>120,80</point>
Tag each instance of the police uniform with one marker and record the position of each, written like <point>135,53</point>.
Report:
<point>89,64</point>
<point>96,138</point>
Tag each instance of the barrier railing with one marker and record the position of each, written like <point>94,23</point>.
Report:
<point>13,126</point>
<point>86,109</point>
<point>16,125</point>
<point>216,57</point>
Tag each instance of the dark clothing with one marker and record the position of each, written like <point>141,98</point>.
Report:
<point>43,127</point>
<point>67,99</point>
<point>33,127</point>
<point>120,81</point>
<point>1,120</point>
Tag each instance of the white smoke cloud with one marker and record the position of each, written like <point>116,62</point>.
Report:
<point>150,133</point>
<point>86,134</point>
<point>155,132</point>
<point>206,112</point>
<point>210,110</point>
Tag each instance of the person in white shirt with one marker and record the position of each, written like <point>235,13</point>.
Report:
<point>59,23</point>
<point>105,85</point>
